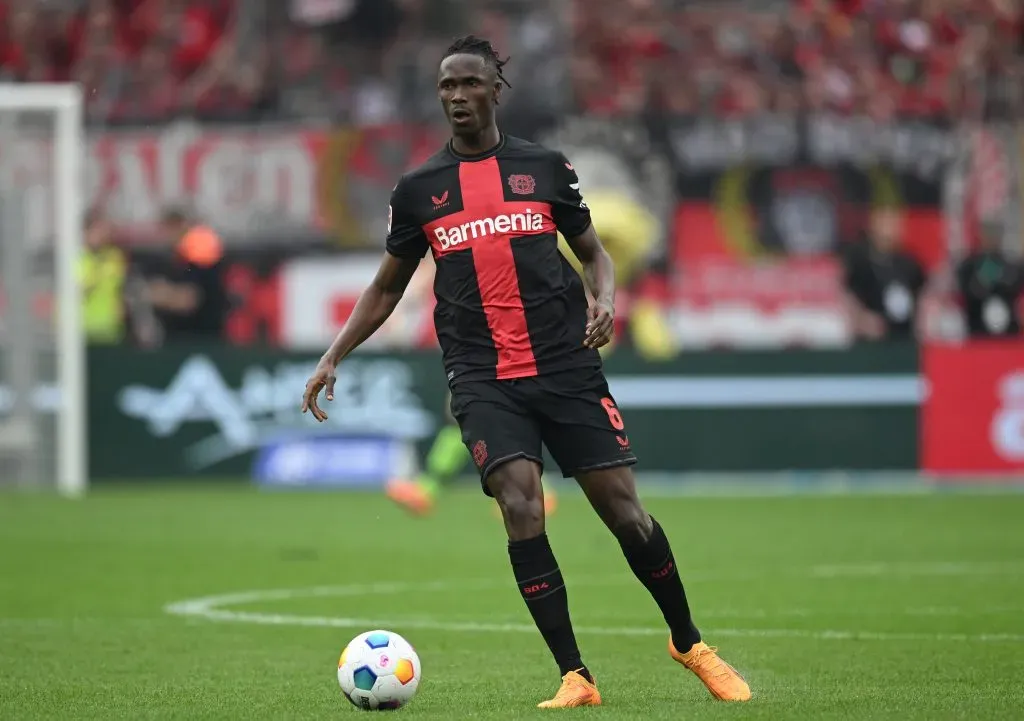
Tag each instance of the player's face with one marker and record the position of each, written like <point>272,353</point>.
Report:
<point>468,89</point>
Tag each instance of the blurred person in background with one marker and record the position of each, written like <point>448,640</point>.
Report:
<point>190,298</point>
<point>990,285</point>
<point>883,282</point>
<point>102,271</point>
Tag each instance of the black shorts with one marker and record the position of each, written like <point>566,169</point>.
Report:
<point>571,412</point>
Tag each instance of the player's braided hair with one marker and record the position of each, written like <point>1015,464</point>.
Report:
<point>472,45</point>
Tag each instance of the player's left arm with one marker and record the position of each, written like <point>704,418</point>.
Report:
<point>599,273</point>
<point>572,217</point>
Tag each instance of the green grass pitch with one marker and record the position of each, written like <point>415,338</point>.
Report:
<point>855,607</point>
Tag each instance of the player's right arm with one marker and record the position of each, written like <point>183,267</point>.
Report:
<point>374,306</point>
<point>406,246</point>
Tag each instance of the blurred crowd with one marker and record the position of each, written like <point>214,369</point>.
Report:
<point>133,59</point>
<point>357,61</point>
<point>367,61</point>
<point>883,58</point>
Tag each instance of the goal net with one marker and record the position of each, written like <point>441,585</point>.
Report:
<point>42,400</point>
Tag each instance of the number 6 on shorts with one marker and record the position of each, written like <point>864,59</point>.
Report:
<point>614,417</point>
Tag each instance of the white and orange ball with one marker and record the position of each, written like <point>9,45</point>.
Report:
<point>379,671</point>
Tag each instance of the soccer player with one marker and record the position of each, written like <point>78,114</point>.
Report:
<point>519,344</point>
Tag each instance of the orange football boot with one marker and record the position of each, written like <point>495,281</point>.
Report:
<point>722,680</point>
<point>412,496</point>
<point>575,691</point>
<point>550,501</point>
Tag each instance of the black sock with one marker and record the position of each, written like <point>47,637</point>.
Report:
<point>543,589</point>
<point>653,564</point>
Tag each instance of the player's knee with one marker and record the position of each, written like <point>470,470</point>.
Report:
<point>521,500</point>
<point>613,494</point>
<point>630,523</point>
<point>523,513</point>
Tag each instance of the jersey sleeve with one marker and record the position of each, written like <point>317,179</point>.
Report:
<point>406,238</point>
<point>569,210</point>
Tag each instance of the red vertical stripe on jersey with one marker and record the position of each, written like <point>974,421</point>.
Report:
<point>483,194</point>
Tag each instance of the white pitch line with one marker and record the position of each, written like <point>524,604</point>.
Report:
<point>211,608</point>
<point>428,624</point>
<point>941,568</point>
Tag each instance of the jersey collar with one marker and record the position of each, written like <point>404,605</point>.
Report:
<point>478,156</point>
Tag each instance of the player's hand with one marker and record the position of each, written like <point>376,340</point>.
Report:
<point>600,324</point>
<point>323,377</point>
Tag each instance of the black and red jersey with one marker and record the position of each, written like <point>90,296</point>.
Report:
<point>509,305</point>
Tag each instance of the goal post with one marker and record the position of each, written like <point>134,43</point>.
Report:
<point>41,182</point>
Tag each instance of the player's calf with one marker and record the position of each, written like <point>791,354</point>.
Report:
<point>516,486</point>
<point>612,492</point>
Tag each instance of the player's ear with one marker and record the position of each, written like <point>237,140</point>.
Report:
<point>496,95</point>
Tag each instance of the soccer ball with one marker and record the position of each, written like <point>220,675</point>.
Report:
<point>379,671</point>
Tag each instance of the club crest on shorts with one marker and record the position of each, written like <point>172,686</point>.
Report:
<point>522,184</point>
<point>479,454</point>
